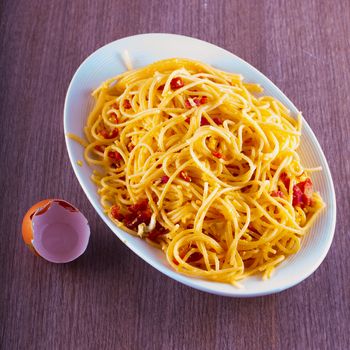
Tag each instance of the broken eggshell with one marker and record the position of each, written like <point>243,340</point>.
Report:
<point>55,230</point>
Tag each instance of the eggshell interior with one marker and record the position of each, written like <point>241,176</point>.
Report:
<point>60,232</point>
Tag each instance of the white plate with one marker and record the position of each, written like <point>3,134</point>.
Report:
<point>106,62</point>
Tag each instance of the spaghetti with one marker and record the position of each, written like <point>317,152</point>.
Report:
<point>199,163</point>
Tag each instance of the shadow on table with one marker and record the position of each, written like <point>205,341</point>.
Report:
<point>105,252</point>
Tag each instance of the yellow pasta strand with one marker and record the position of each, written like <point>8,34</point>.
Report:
<point>200,164</point>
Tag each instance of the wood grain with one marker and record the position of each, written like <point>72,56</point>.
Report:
<point>109,298</point>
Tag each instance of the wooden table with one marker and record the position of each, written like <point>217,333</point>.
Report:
<point>109,298</point>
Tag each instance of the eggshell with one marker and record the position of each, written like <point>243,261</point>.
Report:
<point>56,230</point>
<point>27,228</point>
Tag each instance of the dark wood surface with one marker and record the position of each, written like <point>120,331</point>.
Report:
<point>109,298</point>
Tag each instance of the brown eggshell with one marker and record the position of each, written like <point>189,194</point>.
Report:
<point>56,230</point>
<point>27,227</point>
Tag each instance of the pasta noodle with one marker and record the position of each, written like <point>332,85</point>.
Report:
<point>202,165</point>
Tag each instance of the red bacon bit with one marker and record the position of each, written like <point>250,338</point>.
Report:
<point>188,120</point>
<point>161,87</point>
<point>217,120</point>
<point>285,179</point>
<point>114,155</point>
<point>100,148</point>
<point>185,176</point>
<point>138,213</point>
<point>164,179</point>
<point>302,193</point>
<point>115,105</point>
<point>109,135</point>
<point>176,83</point>
<point>277,194</point>
<point>126,104</point>
<point>158,231</point>
<point>217,154</point>
<point>115,212</point>
<point>204,121</point>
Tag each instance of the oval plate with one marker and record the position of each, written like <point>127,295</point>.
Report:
<point>144,49</point>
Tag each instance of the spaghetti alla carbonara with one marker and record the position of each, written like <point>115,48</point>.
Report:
<point>199,163</point>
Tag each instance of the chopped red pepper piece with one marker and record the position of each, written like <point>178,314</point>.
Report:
<point>197,101</point>
<point>126,104</point>
<point>285,179</point>
<point>194,257</point>
<point>185,176</point>
<point>306,187</point>
<point>253,229</point>
<point>164,179</point>
<point>130,146</point>
<point>138,213</point>
<point>161,87</point>
<point>302,193</point>
<point>203,100</point>
<point>114,155</point>
<point>142,205</point>
<point>277,194</point>
<point>100,148</point>
<point>204,121</point>
<point>113,134</point>
<point>187,120</point>
<point>115,212</point>
<point>246,188</point>
<point>297,196</point>
<point>109,135</point>
<point>176,83</point>
<point>248,262</point>
<point>217,120</point>
<point>217,154</point>
<point>188,104</point>
<point>158,231</point>
<point>113,118</point>
<point>104,133</point>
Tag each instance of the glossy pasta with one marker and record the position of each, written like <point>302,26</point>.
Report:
<point>201,164</point>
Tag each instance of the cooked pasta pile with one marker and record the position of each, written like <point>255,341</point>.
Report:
<point>201,164</point>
